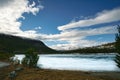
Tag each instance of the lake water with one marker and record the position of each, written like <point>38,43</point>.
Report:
<point>89,62</point>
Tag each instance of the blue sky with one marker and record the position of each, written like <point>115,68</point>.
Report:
<point>61,24</point>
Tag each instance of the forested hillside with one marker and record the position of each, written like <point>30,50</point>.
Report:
<point>12,44</point>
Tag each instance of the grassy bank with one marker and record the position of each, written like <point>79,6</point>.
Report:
<point>45,74</point>
<point>5,56</point>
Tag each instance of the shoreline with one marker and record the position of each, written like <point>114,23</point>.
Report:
<point>53,74</point>
<point>97,71</point>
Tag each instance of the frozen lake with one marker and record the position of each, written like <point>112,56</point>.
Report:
<point>88,62</point>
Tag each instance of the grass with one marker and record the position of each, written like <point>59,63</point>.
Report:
<point>45,74</point>
<point>5,56</point>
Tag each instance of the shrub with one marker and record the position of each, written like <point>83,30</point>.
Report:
<point>5,56</point>
<point>30,59</point>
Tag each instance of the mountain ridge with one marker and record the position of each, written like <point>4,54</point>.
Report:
<point>10,43</point>
<point>104,48</point>
<point>15,44</point>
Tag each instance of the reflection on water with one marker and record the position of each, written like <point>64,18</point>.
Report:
<point>89,62</point>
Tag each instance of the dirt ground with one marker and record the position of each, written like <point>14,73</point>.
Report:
<point>46,74</point>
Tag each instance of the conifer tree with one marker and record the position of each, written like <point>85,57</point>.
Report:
<point>30,59</point>
<point>117,46</point>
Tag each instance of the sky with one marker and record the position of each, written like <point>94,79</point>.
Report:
<point>61,24</point>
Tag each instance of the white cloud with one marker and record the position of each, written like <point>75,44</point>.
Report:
<point>76,38</point>
<point>102,17</point>
<point>11,11</point>
<point>76,44</point>
<point>80,34</point>
<point>5,2</point>
<point>38,28</point>
<point>33,9</point>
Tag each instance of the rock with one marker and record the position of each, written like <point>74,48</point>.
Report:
<point>19,69</point>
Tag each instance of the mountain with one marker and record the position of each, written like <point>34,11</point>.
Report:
<point>14,44</point>
<point>104,48</point>
<point>9,43</point>
<point>108,45</point>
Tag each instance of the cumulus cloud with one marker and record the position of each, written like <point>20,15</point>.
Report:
<point>11,11</point>
<point>76,38</point>
<point>102,17</point>
<point>5,2</point>
<point>33,9</point>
